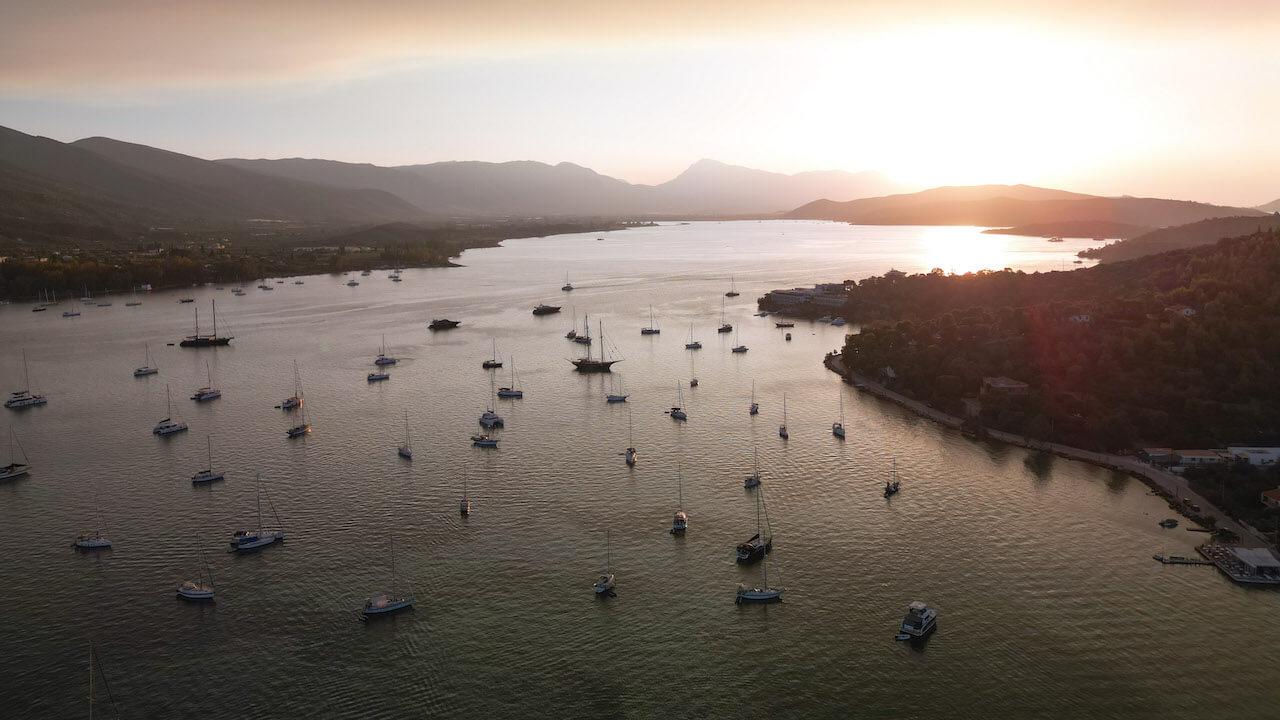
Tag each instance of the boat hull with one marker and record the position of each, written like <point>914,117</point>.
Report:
<point>206,477</point>
<point>390,608</point>
<point>205,342</point>
<point>593,366</point>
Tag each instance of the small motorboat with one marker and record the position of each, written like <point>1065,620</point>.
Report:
<point>484,441</point>
<point>784,324</point>
<point>377,376</point>
<point>919,621</point>
<point>837,322</point>
<point>788,337</point>
<point>443,324</point>
<point>1168,523</point>
<point>92,541</point>
<point>544,309</point>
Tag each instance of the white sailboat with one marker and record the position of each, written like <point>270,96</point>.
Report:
<point>96,540</point>
<point>605,583</point>
<point>207,475</point>
<point>208,392</point>
<point>147,368</point>
<point>383,358</point>
<point>692,344</point>
<point>680,522</point>
<point>837,428</point>
<point>246,541</point>
<point>511,392</point>
<point>677,410</point>
<point>616,395</point>
<point>494,362</point>
<point>406,450</point>
<point>24,398</point>
<point>198,590</point>
<point>295,401</point>
<point>753,480</point>
<point>304,425</point>
<point>584,337</point>
<point>385,603</point>
<point>755,407</point>
<point>653,328</point>
<point>567,285</point>
<point>782,429</point>
<point>15,469</point>
<point>631,453</point>
<point>739,347</point>
<point>167,425</point>
<point>764,593</point>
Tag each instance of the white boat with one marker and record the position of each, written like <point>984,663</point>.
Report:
<point>573,326</point>
<point>584,337</point>
<point>616,395</point>
<point>739,348</point>
<point>837,428</point>
<point>383,358</point>
<point>15,469</point>
<point>677,411</point>
<point>377,376</point>
<point>493,362</point>
<point>464,503</point>
<point>762,594</point>
<point>755,407</point>
<point>680,522</point>
<point>96,540</point>
<point>753,480</point>
<point>782,429</point>
<point>208,392</point>
<point>631,454</point>
<point>406,450</point>
<point>653,328</point>
<point>837,322</point>
<point>919,621</point>
<point>605,583</point>
<point>692,344</point>
<point>512,392</point>
<point>148,368</point>
<point>198,590</point>
<point>24,398</point>
<point>207,475</point>
<point>294,401</point>
<point>350,283</point>
<point>733,288</point>
<point>304,426</point>
<point>246,541</point>
<point>167,425</point>
<point>386,603</point>
<point>567,285</point>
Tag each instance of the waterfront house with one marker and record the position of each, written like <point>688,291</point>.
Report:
<point>1271,498</point>
<point>1200,457</point>
<point>1258,562</point>
<point>1158,455</point>
<point>1254,455</point>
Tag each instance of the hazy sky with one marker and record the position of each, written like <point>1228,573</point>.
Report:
<point>1172,98</point>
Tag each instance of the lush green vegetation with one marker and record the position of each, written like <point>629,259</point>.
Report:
<point>1236,489</point>
<point>1133,374</point>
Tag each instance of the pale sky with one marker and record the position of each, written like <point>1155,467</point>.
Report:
<point>1171,99</point>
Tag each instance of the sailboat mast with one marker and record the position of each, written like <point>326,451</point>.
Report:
<point>215,317</point>
<point>209,448</point>
<point>26,371</point>
<point>608,555</point>
<point>91,681</point>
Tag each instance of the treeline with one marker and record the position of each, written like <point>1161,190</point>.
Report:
<point>1237,489</point>
<point>1130,373</point>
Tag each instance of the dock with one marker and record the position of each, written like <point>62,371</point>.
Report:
<point>1234,562</point>
<point>1179,560</point>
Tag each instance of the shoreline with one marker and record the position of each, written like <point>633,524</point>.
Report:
<point>1166,484</point>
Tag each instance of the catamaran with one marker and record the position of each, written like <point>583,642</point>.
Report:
<point>837,427</point>
<point>490,419</point>
<point>919,621</point>
<point>567,285</point>
<point>616,395</point>
<point>15,469</point>
<point>680,522</point>
<point>631,454</point>
<point>692,344</point>
<point>198,590</point>
<point>304,426</point>
<point>24,398</point>
<point>384,603</point>
<point>167,425</point>
<point>148,368</point>
<point>605,583</point>
<point>724,325</point>
<point>592,365</point>
<point>782,429</point>
<point>207,475</point>
<point>764,593</point>
<point>377,376</point>
<point>198,340</point>
<point>294,401</point>
<point>245,541</point>
<point>383,358</point>
<point>511,392</point>
<point>677,411</point>
<point>739,348</point>
<point>494,362</point>
<point>755,407</point>
<point>208,392</point>
<point>760,544</point>
<point>406,450</point>
<point>653,328</point>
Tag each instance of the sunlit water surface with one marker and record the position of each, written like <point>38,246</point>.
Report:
<point>1051,606</point>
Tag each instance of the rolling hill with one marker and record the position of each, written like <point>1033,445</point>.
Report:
<point>1204,232</point>
<point>1271,207</point>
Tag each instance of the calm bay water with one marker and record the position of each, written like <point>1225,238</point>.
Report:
<point>1050,603</point>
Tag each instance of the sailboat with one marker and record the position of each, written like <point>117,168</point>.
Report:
<point>95,540</point>
<point>764,593</point>
<point>693,371</point>
<point>755,407</point>
<point>782,429</point>
<point>653,328</point>
<point>567,285</point>
<point>604,585</point>
<point>24,398</point>
<point>198,590</point>
<point>631,445</point>
<point>760,544</point>
<point>584,337</point>
<point>406,450</point>
<point>207,475</point>
<point>303,427</point>
<point>592,365</point>
<point>724,325</point>
<point>208,392</point>
<point>167,425</point>
<point>494,362</point>
<point>680,522</point>
<point>92,678</point>
<point>616,395</point>
<point>245,541</point>
<point>15,469</point>
<point>198,340</point>
<point>892,487</point>
<point>295,401</point>
<point>573,326</point>
<point>692,344</point>
<point>464,503</point>
<point>677,410</point>
<point>384,603</point>
<point>739,347</point>
<point>383,358</point>
<point>753,480</point>
<point>147,368</point>
<point>837,428</point>
<point>511,392</point>
<point>350,283</point>
<point>733,288</point>
<point>490,419</point>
